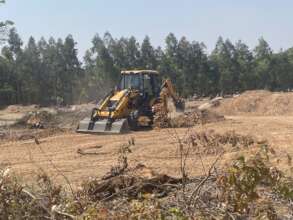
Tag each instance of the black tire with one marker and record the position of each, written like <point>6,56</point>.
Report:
<point>93,113</point>
<point>132,120</point>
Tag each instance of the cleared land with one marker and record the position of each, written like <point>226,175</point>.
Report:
<point>58,155</point>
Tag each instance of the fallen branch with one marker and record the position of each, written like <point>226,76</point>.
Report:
<point>82,152</point>
<point>95,147</point>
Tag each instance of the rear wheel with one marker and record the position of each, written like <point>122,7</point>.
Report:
<point>180,105</point>
<point>133,120</point>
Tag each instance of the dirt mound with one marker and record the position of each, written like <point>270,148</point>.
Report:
<point>63,118</point>
<point>29,122</point>
<point>20,108</point>
<point>258,103</point>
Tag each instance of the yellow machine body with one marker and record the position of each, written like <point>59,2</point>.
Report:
<point>130,106</point>
<point>120,98</point>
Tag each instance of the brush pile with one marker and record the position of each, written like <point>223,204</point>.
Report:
<point>38,119</point>
<point>186,119</point>
<point>161,119</point>
<point>195,117</point>
<point>131,184</point>
<point>212,143</point>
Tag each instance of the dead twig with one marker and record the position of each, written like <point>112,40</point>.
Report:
<point>63,213</point>
<point>198,187</point>
<point>183,156</point>
<point>41,205</point>
<point>58,171</point>
<point>34,198</point>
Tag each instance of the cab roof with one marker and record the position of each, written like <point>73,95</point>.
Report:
<point>140,72</point>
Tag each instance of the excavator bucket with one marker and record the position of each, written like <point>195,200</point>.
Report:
<point>119,126</point>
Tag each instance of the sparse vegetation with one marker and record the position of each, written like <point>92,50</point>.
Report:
<point>249,188</point>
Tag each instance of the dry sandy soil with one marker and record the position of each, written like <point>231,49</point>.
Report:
<point>158,149</point>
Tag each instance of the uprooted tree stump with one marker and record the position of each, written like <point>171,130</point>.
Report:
<point>130,184</point>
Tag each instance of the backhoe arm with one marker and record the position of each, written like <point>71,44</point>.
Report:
<point>168,90</point>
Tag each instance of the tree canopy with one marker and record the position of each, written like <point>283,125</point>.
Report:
<point>49,72</point>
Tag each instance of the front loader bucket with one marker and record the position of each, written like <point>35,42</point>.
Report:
<point>119,126</point>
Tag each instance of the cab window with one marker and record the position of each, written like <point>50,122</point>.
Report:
<point>148,85</point>
<point>131,82</point>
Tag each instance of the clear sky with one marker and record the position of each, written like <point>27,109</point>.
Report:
<point>200,20</point>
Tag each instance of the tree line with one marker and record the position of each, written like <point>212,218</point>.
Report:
<point>48,72</point>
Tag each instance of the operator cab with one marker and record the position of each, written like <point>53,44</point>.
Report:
<point>144,81</point>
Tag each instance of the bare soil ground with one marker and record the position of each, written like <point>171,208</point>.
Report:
<point>58,154</point>
<point>157,149</point>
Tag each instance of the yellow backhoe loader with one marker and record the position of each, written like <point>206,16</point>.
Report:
<point>131,105</point>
